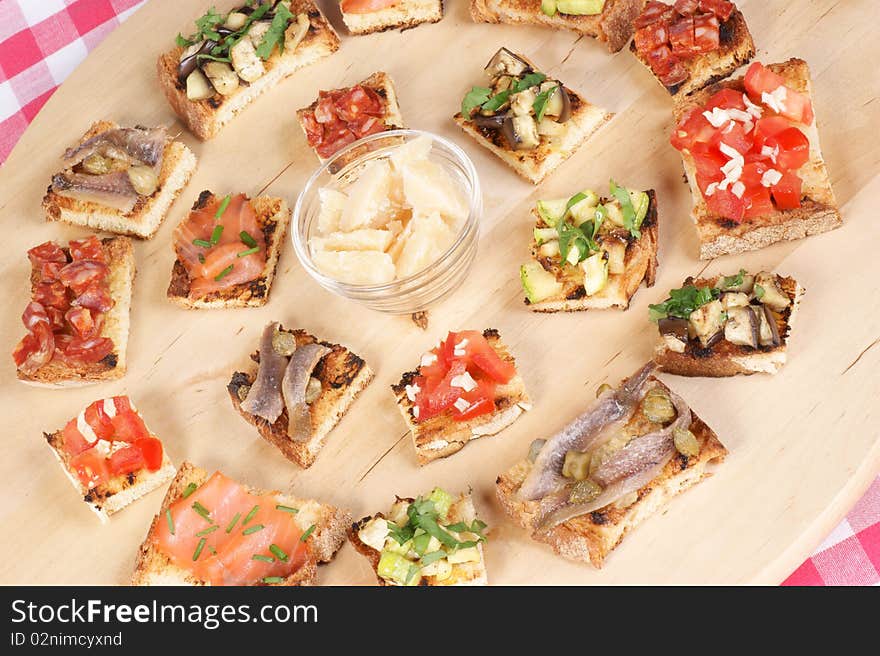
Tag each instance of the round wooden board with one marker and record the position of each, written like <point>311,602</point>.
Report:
<point>803,444</point>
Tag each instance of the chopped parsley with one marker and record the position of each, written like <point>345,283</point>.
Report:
<point>626,207</point>
<point>474,98</point>
<point>733,281</point>
<point>541,102</point>
<point>682,302</point>
<point>759,292</point>
<point>528,81</point>
<point>275,34</point>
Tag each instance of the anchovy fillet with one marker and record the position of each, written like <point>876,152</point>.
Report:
<point>296,379</point>
<point>264,397</point>
<point>145,145</point>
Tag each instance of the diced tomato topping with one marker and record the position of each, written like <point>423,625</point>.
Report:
<point>794,148</point>
<point>693,128</point>
<point>481,401</point>
<point>753,172</point>
<point>99,422</point>
<point>726,99</point>
<point>759,80</point>
<point>769,126</point>
<point>735,136</point>
<point>74,441</point>
<point>787,192</point>
<point>90,468</point>
<point>757,202</point>
<point>151,449</point>
<point>129,427</point>
<point>708,161</point>
<point>126,460</point>
<point>726,204</point>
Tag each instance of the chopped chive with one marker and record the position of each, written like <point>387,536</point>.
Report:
<point>250,251</point>
<point>170,520</point>
<point>273,579</point>
<point>202,511</point>
<point>207,531</point>
<point>223,205</point>
<point>202,243</point>
<point>192,487</point>
<point>252,529</point>
<point>287,509</point>
<point>247,239</point>
<point>250,515</point>
<point>216,233</point>
<point>233,523</point>
<point>198,551</point>
<point>309,531</point>
<point>201,259</point>
<point>279,552</point>
<point>220,276</point>
<point>265,559</point>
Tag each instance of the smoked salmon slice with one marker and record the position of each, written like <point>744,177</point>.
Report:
<point>221,244</point>
<point>226,535</point>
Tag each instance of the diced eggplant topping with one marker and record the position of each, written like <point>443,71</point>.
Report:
<point>246,62</point>
<point>504,62</point>
<point>189,59</point>
<point>769,333</point>
<point>222,77</point>
<point>296,32</point>
<point>708,322</point>
<point>494,122</point>
<point>521,132</point>
<point>674,327</point>
<point>742,326</point>
<point>734,299</point>
<point>197,86</point>
<point>521,103</point>
<point>772,295</point>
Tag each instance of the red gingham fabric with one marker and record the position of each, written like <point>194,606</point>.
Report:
<point>42,41</point>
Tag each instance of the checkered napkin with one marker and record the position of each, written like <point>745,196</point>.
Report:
<point>42,41</point>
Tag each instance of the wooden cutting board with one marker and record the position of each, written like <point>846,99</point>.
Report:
<point>803,444</point>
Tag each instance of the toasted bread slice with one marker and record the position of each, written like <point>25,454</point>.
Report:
<point>818,211</point>
<point>441,436</point>
<point>736,49</point>
<point>331,525</point>
<point>466,573</point>
<point>382,84</point>
<point>401,16</point>
<point>113,495</point>
<point>593,536</point>
<point>534,165</point>
<point>343,376</point>
<point>205,118</point>
<point>614,26</point>
<point>273,216</point>
<point>640,265</point>
<point>119,254</point>
<point>726,358</point>
<point>178,164</point>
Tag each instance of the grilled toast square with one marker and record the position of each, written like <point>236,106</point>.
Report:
<point>736,49</point>
<point>614,26</point>
<point>818,211</point>
<point>119,255</point>
<point>640,266</point>
<point>591,537</point>
<point>403,15</point>
<point>205,118</point>
<point>331,524</point>
<point>273,217</point>
<point>144,219</point>
<point>442,436</point>
<point>343,375</point>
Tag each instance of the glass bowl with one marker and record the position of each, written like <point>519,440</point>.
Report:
<point>424,288</point>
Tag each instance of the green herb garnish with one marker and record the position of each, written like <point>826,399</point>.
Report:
<point>733,281</point>
<point>233,523</point>
<point>216,233</point>
<point>247,239</point>
<point>474,98</point>
<point>253,529</point>
<point>223,205</point>
<point>182,41</point>
<point>250,251</point>
<point>541,102</point>
<point>192,487</point>
<point>202,243</point>
<point>275,34</point>
<point>309,531</point>
<point>411,573</point>
<point>250,515</point>
<point>265,559</point>
<point>287,509</point>
<point>759,292</point>
<point>626,206</point>
<point>279,552</point>
<point>421,542</point>
<point>682,302</point>
<point>198,551</point>
<point>170,520</point>
<point>207,531</point>
<point>201,259</point>
<point>220,276</point>
<point>528,81</point>
<point>432,557</point>
<point>273,579</point>
<point>216,58</point>
<point>202,511</point>
<point>495,102</point>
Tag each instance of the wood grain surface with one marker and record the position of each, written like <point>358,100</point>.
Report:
<point>803,444</point>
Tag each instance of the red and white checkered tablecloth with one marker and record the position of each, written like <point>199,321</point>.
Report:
<point>42,41</point>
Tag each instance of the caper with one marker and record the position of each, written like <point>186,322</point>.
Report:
<point>313,390</point>
<point>657,406</point>
<point>284,343</point>
<point>143,179</point>
<point>243,392</point>
<point>535,448</point>
<point>584,491</point>
<point>685,442</point>
<point>96,164</point>
<point>576,465</point>
<point>604,387</point>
